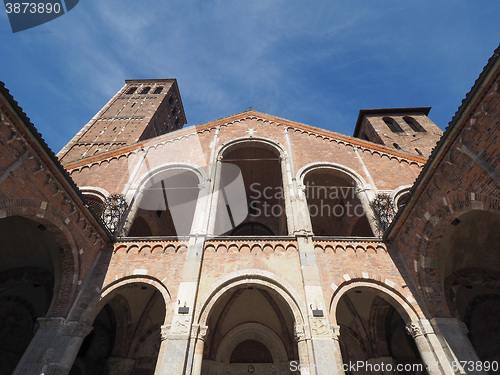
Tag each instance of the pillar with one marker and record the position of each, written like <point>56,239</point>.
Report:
<point>455,340</point>
<point>430,361</point>
<point>304,364</point>
<point>338,353</point>
<point>54,347</point>
<point>198,350</point>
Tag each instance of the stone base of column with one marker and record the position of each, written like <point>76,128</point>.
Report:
<point>455,341</point>
<point>54,347</point>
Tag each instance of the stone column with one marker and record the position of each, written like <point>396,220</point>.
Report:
<point>431,362</point>
<point>322,342</point>
<point>338,353</point>
<point>304,362</point>
<point>176,353</point>
<point>455,341</point>
<point>54,347</point>
<point>198,350</point>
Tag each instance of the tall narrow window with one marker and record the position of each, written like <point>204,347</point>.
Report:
<point>396,146</point>
<point>392,124</point>
<point>413,124</point>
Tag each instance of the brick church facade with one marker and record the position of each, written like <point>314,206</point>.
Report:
<point>252,243</point>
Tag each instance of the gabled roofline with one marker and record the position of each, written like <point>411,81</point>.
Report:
<point>470,102</point>
<point>241,116</point>
<point>388,111</point>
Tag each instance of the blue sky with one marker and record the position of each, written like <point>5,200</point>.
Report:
<point>318,63</point>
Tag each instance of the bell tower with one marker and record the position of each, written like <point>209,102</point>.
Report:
<point>405,129</point>
<point>142,109</point>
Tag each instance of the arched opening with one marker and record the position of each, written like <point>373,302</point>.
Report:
<point>166,204</point>
<point>250,328</point>
<point>95,203</point>
<point>392,124</point>
<point>126,333</point>
<point>413,124</point>
<point>256,168</point>
<point>334,206</point>
<point>30,277</point>
<point>373,331</point>
<point>469,268</point>
<point>401,199</point>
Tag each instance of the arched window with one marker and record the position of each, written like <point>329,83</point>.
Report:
<point>145,90</point>
<point>251,199</point>
<point>334,206</point>
<point>158,90</point>
<point>396,146</point>
<point>131,90</point>
<point>167,204</point>
<point>419,152</point>
<point>413,124</point>
<point>392,124</point>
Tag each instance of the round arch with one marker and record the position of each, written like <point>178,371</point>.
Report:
<point>358,179</point>
<point>435,227</point>
<point>111,290</point>
<point>400,303</point>
<point>95,191</point>
<point>135,193</point>
<point>252,331</point>
<point>280,220</point>
<point>50,217</point>
<point>363,224</point>
<point>165,168</point>
<point>399,193</point>
<point>245,141</point>
<point>258,278</point>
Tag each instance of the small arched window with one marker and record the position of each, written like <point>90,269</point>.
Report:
<point>145,90</point>
<point>419,152</point>
<point>392,124</point>
<point>396,146</point>
<point>131,90</point>
<point>158,90</point>
<point>413,124</point>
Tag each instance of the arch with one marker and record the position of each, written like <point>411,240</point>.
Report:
<point>338,200</point>
<point>155,176</point>
<point>447,211</point>
<point>240,141</point>
<point>236,169</point>
<point>400,193</point>
<point>413,124</point>
<point>51,218</point>
<point>253,331</point>
<point>164,168</point>
<point>302,172</point>
<point>95,191</point>
<point>260,278</point>
<point>408,312</point>
<point>392,124</point>
<point>111,290</point>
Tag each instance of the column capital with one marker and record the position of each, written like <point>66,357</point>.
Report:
<point>65,327</point>
<point>165,331</point>
<point>300,332</point>
<point>335,331</point>
<point>414,330</point>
